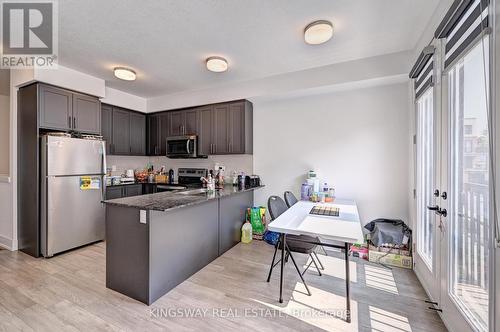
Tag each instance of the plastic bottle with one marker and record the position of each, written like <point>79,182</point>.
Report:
<point>210,183</point>
<point>316,185</point>
<point>246,232</point>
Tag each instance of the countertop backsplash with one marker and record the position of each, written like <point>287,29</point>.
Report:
<point>123,163</point>
<point>239,163</point>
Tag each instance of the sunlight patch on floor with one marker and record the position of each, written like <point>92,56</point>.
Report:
<point>386,321</point>
<point>380,278</point>
<point>322,309</point>
<point>334,267</point>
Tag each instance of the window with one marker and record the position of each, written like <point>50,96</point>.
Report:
<point>425,176</point>
<point>469,179</point>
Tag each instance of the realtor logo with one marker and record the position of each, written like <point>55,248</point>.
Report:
<point>29,34</point>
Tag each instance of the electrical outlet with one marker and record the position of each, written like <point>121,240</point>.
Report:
<point>220,167</point>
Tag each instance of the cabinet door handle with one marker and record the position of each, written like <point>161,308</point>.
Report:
<point>74,122</point>
<point>69,121</point>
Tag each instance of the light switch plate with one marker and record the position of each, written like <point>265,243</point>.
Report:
<point>143,217</point>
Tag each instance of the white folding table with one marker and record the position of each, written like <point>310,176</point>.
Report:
<point>344,229</point>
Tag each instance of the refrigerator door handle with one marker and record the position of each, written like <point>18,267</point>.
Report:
<point>104,172</point>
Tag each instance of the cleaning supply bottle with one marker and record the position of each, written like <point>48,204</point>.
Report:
<point>246,232</point>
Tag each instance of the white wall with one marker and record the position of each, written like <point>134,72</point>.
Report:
<point>124,99</point>
<point>356,140</point>
<point>4,134</point>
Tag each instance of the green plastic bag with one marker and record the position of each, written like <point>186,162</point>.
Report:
<point>255,218</point>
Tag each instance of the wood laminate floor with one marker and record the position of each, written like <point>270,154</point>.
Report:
<point>68,293</point>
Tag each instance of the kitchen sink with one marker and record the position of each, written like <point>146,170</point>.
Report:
<point>194,191</point>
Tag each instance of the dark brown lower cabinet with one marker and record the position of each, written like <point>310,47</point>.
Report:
<point>113,192</point>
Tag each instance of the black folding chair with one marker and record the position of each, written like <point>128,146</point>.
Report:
<point>290,200</point>
<point>276,207</point>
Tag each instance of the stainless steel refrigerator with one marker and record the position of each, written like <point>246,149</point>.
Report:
<point>72,191</point>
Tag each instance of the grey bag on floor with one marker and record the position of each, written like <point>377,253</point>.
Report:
<point>388,231</point>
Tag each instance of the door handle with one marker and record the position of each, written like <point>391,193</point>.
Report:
<point>438,210</point>
<point>69,121</point>
<point>187,146</point>
<point>74,122</point>
<point>436,193</point>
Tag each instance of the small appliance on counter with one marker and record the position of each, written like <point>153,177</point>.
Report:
<point>252,181</point>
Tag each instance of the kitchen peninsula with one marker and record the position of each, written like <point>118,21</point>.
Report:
<point>154,242</point>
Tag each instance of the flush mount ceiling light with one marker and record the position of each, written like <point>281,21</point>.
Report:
<point>126,74</point>
<point>318,32</point>
<point>217,64</point>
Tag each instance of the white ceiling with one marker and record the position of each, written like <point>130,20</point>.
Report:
<point>167,41</point>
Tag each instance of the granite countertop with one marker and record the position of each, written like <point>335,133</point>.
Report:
<point>165,201</point>
<point>143,182</point>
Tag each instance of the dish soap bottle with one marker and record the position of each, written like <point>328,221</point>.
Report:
<point>246,232</point>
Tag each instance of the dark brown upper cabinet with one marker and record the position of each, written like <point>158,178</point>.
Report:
<point>56,108</point>
<point>61,109</point>
<point>86,114</point>
<point>240,128</point>
<point>124,131</point>
<point>137,134</point>
<point>231,129</point>
<point>191,122</point>
<point>205,130</point>
<point>153,135</point>
<point>107,126</point>
<point>164,132</point>
<point>221,128</point>
<point>184,122</point>
<point>224,128</point>
<point>177,122</point>
<point>121,132</point>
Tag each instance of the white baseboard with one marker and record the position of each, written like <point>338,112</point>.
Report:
<point>7,243</point>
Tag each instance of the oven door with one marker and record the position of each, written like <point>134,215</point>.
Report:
<point>181,147</point>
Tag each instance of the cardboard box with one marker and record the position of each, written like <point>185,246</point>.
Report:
<point>397,251</point>
<point>390,259</point>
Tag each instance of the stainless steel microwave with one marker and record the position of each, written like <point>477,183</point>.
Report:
<point>182,146</point>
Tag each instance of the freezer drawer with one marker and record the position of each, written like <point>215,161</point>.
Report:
<point>74,214</point>
<point>73,156</point>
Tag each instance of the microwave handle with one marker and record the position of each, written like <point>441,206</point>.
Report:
<point>187,146</point>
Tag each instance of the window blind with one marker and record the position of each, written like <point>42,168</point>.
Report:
<point>422,71</point>
<point>462,25</point>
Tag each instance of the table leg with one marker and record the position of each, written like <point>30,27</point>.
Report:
<point>283,245</point>
<point>347,284</point>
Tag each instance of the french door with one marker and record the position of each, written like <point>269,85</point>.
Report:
<point>427,263</point>
<point>468,234</point>
<point>453,229</point>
